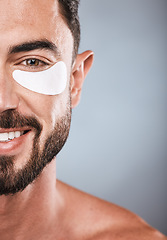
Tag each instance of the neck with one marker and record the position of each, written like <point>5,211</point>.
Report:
<point>24,214</point>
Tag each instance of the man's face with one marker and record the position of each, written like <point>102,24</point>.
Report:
<point>44,120</point>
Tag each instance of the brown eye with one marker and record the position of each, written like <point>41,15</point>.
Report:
<point>32,62</point>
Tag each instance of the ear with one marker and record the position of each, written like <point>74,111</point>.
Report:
<point>80,69</point>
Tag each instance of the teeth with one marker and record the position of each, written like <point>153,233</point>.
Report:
<point>11,135</point>
<point>4,137</point>
<point>17,134</point>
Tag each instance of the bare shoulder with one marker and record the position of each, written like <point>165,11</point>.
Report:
<point>95,219</point>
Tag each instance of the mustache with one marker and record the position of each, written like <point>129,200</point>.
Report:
<point>13,119</point>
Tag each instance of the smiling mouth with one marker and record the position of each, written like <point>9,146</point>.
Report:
<point>9,136</point>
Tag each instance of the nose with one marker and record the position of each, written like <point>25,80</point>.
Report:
<point>8,96</point>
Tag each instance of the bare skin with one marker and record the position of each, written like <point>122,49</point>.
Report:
<point>96,219</point>
<point>47,208</point>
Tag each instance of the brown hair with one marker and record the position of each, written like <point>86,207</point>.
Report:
<point>69,10</point>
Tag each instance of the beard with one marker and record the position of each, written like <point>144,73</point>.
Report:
<point>12,180</point>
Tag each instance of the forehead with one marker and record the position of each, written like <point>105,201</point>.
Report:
<point>27,20</point>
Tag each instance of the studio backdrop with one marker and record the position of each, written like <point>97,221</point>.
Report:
<point>117,148</point>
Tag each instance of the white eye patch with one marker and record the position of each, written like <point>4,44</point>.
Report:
<point>49,82</point>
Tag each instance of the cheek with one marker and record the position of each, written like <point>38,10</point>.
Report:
<point>60,107</point>
<point>47,109</point>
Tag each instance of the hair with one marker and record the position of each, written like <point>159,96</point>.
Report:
<point>69,10</point>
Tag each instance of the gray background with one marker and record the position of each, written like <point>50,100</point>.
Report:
<point>117,145</point>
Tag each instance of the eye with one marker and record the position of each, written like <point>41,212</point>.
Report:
<point>33,62</point>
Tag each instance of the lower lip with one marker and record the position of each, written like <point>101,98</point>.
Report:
<point>14,146</point>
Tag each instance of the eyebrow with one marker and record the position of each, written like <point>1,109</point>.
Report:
<point>33,45</point>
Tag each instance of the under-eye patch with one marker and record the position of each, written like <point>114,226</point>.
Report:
<point>49,82</point>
